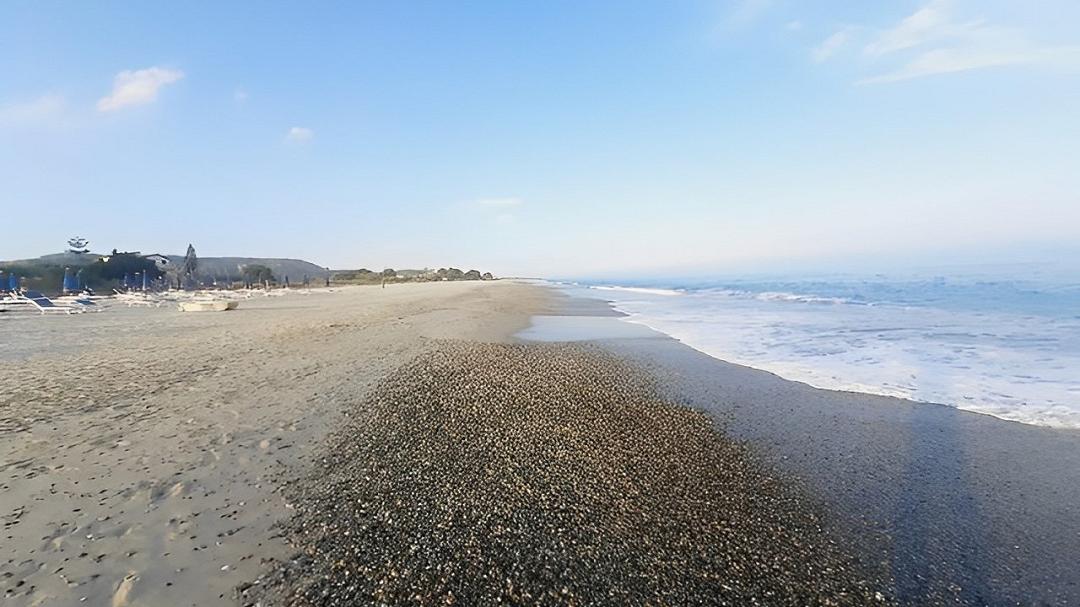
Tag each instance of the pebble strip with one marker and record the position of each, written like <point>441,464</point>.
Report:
<point>546,474</point>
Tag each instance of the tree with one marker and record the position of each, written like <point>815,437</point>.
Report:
<point>256,273</point>
<point>118,266</point>
<point>389,272</point>
<point>472,275</point>
<point>191,262</point>
<point>78,245</point>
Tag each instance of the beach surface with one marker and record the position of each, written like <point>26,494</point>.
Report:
<point>419,444</point>
<point>140,449</point>
<point>955,507</point>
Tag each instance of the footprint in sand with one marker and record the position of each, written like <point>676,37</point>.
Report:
<point>123,590</point>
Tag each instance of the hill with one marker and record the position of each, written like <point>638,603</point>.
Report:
<point>225,268</point>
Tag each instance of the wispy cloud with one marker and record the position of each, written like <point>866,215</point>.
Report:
<point>137,87</point>
<point>932,41</point>
<point>499,210</point>
<point>931,23</point>
<point>299,134</point>
<point>744,12</point>
<point>949,60</point>
<point>240,96</point>
<point>43,110</point>
<point>499,203</point>
<point>824,51</point>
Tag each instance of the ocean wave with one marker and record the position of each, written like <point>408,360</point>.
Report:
<point>645,290</point>
<point>912,341</point>
<point>782,296</point>
<point>799,298</point>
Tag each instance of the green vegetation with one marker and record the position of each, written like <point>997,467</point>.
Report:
<point>257,273</point>
<point>103,273</point>
<point>366,276</point>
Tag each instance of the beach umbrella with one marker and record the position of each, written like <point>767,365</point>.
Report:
<point>70,281</point>
<point>127,280</point>
<point>145,281</point>
<point>13,282</point>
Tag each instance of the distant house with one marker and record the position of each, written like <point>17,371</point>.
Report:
<point>161,261</point>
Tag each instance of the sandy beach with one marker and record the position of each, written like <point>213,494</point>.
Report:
<point>139,448</point>
<point>403,445</point>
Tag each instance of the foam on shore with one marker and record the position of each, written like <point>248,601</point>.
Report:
<point>1013,357</point>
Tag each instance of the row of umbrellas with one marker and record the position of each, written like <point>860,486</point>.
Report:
<point>73,281</point>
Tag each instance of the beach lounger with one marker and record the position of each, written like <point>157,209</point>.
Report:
<point>46,305</point>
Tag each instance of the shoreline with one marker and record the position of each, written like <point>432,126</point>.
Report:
<point>950,502</point>
<point>980,395</point>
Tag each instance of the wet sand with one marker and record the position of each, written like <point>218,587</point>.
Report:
<point>956,507</point>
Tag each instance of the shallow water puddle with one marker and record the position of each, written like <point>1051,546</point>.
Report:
<point>584,328</point>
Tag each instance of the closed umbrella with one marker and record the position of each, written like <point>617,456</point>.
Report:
<point>70,283</point>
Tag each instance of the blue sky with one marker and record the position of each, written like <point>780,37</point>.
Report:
<point>545,138</point>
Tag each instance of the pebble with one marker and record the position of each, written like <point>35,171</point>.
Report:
<point>550,474</point>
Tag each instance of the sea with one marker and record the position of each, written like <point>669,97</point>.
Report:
<point>1001,341</point>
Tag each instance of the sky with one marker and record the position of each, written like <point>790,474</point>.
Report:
<point>556,138</point>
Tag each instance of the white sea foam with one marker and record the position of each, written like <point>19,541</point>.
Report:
<point>645,290</point>
<point>996,348</point>
<point>797,298</point>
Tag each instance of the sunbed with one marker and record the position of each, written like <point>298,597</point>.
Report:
<point>46,305</point>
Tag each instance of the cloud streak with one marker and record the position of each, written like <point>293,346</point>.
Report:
<point>138,87</point>
<point>44,109</point>
<point>745,12</point>
<point>824,51</point>
<point>951,60</point>
<point>299,134</point>
<point>931,41</point>
<point>499,203</point>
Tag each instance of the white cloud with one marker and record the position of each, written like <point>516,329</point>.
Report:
<point>137,87</point>
<point>930,41</point>
<point>828,48</point>
<point>300,134</point>
<point>44,109</point>
<point>949,60</point>
<point>499,203</point>
<point>929,23</point>
<point>745,12</point>
<point>793,26</point>
<point>240,96</point>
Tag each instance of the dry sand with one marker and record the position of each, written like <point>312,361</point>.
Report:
<point>139,448</point>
